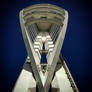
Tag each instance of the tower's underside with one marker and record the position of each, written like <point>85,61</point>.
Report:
<point>43,28</point>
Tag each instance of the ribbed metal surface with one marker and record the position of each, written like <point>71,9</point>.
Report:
<point>33,31</point>
<point>54,32</point>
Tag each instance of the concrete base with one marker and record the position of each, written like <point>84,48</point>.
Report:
<point>25,82</point>
<point>61,82</point>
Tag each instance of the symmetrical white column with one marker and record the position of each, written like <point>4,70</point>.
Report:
<point>44,24</point>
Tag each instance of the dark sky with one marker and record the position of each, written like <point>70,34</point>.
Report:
<point>77,47</point>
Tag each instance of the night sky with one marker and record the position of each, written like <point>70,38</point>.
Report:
<point>77,47</point>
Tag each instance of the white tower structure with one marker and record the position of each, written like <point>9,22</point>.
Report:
<point>43,28</point>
